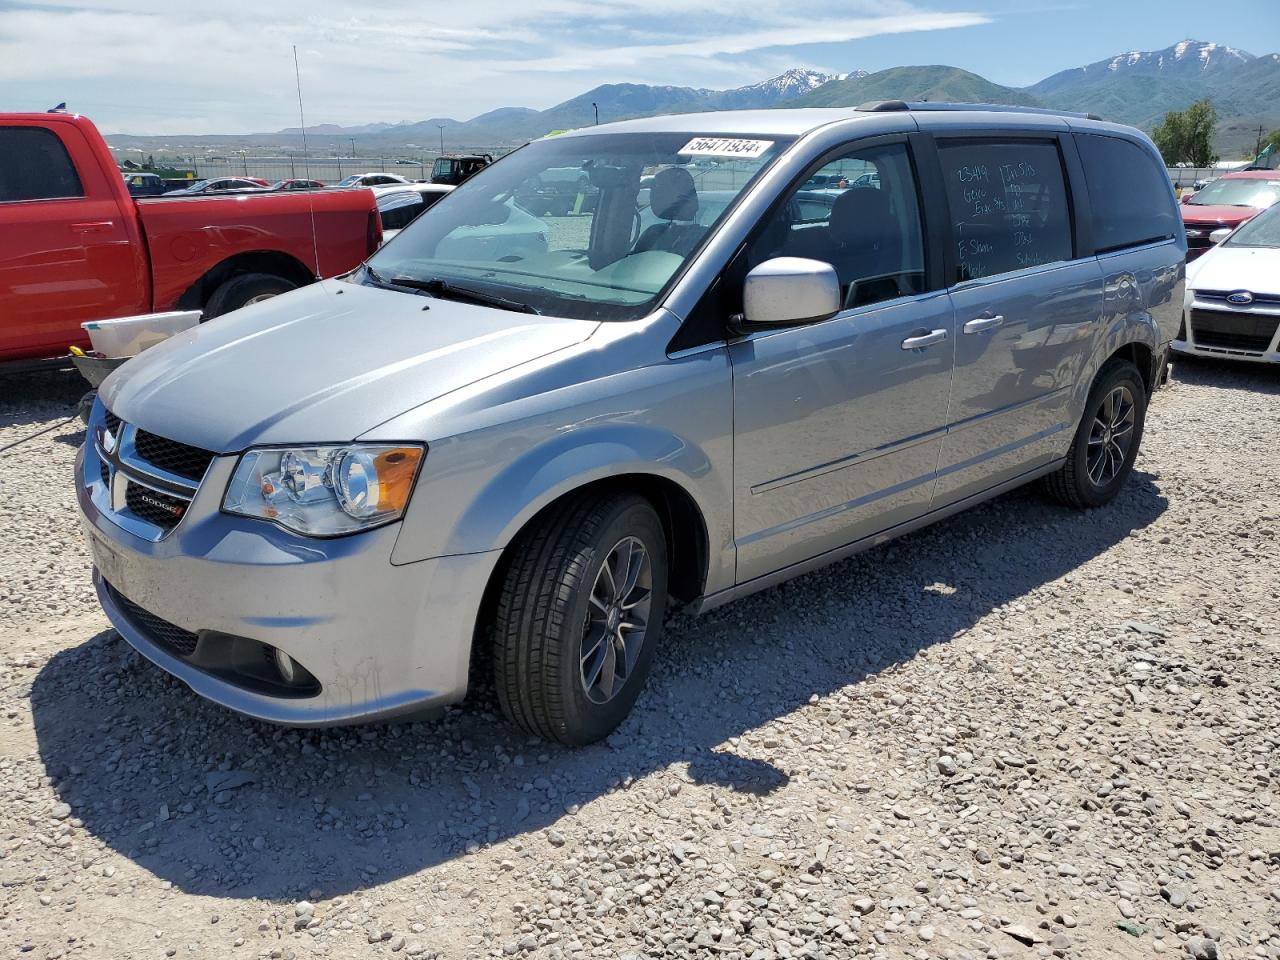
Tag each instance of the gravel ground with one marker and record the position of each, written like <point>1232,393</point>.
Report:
<point>1024,732</point>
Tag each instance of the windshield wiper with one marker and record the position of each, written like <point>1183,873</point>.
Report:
<point>451,291</point>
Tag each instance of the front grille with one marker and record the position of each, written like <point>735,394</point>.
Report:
<point>172,456</point>
<point>1268,299</point>
<point>173,638</point>
<point>104,471</point>
<point>1233,331</point>
<point>158,509</point>
<point>112,423</point>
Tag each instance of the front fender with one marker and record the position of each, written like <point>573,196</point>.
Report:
<point>545,473</point>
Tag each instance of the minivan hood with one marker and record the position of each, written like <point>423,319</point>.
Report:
<point>1256,269</point>
<point>324,363</point>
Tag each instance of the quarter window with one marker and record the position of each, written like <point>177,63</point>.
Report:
<point>1008,205</point>
<point>1129,195</point>
<point>860,213</point>
<point>34,165</point>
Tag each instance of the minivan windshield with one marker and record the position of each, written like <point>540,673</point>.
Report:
<point>1243,192</point>
<point>1262,231</point>
<point>593,226</point>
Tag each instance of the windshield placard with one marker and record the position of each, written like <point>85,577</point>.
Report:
<point>724,147</point>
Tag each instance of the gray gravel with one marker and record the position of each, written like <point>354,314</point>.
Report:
<point>1025,732</point>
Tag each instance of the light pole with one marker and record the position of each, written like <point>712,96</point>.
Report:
<point>597,110</point>
<point>441,126</point>
<point>352,141</point>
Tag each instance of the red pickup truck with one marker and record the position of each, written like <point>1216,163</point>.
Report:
<point>75,246</point>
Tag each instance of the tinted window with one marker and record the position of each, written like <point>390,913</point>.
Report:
<point>1009,207</point>
<point>1128,192</point>
<point>859,213</point>
<point>34,166</point>
<point>400,212</point>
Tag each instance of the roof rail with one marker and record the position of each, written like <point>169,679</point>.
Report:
<point>893,106</point>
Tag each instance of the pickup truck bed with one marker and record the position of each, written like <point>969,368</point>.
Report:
<point>75,246</point>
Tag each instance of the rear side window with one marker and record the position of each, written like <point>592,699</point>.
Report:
<point>1128,193</point>
<point>34,165</point>
<point>1008,203</point>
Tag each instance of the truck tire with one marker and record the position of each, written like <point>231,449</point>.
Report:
<point>1106,441</point>
<point>244,289</point>
<point>578,617</point>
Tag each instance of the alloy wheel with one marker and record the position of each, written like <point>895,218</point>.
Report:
<point>1111,436</point>
<point>617,620</point>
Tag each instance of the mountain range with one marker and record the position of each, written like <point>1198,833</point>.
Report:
<point>1138,88</point>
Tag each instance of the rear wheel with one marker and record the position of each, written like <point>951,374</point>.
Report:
<point>579,617</point>
<point>1107,440</point>
<point>244,289</point>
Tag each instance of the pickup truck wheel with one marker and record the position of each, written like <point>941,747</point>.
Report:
<point>579,616</point>
<point>1106,442</point>
<point>244,289</point>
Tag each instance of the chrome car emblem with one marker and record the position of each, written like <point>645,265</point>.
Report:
<point>1240,297</point>
<point>1195,233</point>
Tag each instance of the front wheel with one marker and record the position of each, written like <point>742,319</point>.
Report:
<point>579,617</point>
<point>1107,440</point>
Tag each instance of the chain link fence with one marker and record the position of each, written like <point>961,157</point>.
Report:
<point>325,169</point>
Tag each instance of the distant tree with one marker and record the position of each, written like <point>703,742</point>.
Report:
<point>1186,136</point>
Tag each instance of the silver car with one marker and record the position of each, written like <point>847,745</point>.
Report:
<point>316,509</point>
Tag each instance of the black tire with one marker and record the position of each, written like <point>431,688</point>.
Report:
<point>1074,484</point>
<point>242,289</point>
<point>541,618</point>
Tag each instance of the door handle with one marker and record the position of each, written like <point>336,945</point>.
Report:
<point>93,226</point>
<point>924,340</point>
<point>979,324</point>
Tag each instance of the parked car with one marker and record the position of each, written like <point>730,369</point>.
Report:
<point>1233,294</point>
<point>297,184</point>
<point>75,246</point>
<point>540,450</point>
<point>401,204</point>
<point>370,180</point>
<point>144,184</point>
<point>221,185</point>
<point>454,168</point>
<point>1226,201</point>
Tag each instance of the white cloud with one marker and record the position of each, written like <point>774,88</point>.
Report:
<point>194,68</point>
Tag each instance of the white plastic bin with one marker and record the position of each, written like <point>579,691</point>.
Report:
<point>129,336</point>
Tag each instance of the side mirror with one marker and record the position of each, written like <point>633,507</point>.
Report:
<point>788,290</point>
<point>1219,235</point>
<point>1186,197</point>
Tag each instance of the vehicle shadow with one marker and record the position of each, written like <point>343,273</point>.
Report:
<point>152,770</point>
<point>36,398</point>
<point>1228,374</point>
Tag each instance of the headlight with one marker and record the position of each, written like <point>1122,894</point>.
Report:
<point>324,491</point>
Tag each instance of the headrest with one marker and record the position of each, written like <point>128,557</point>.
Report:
<point>861,215</point>
<point>672,195</point>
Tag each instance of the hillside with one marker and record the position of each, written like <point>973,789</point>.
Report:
<point>913,83</point>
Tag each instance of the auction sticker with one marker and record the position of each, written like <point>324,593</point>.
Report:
<point>725,147</point>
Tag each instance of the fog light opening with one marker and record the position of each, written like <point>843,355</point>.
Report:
<point>286,666</point>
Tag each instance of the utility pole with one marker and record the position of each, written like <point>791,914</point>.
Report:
<point>597,110</point>
<point>352,141</point>
<point>1258,146</point>
<point>441,127</point>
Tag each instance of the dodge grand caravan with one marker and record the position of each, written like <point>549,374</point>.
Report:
<point>758,343</point>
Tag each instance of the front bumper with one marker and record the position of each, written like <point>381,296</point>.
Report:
<point>1213,327</point>
<point>381,640</point>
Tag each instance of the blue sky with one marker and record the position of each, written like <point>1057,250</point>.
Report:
<point>188,67</point>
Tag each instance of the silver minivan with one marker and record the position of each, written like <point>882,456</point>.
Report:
<point>751,343</point>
